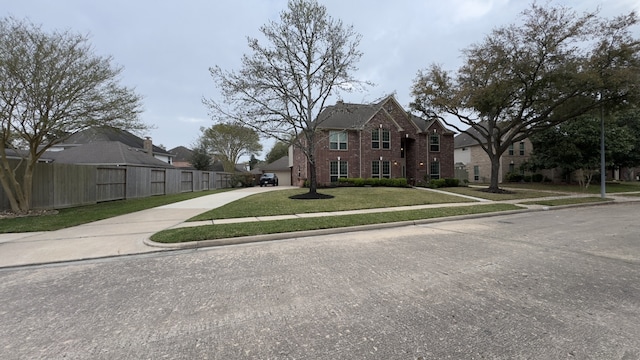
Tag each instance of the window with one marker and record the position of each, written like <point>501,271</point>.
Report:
<point>522,148</point>
<point>386,139</point>
<point>381,169</point>
<point>435,170</point>
<point>476,173</point>
<point>339,169</point>
<point>338,140</point>
<point>380,139</point>
<point>434,142</point>
<point>511,152</point>
<point>512,168</point>
<point>386,169</point>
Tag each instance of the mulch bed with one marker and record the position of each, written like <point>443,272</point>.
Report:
<point>13,215</point>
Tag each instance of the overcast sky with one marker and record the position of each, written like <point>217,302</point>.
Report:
<point>167,47</point>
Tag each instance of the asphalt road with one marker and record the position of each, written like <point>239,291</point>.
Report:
<point>561,284</point>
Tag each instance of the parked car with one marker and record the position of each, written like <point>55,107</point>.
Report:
<point>268,178</point>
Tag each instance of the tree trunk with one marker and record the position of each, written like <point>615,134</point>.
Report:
<point>313,178</point>
<point>19,195</point>
<point>495,173</point>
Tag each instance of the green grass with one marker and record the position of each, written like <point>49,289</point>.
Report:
<point>222,231</point>
<point>85,214</point>
<point>611,187</point>
<point>523,193</point>
<point>568,201</point>
<point>345,198</point>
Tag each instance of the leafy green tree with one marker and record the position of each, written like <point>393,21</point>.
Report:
<point>278,150</point>
<point>524,78</point>
<point>52,85</point>
<point>229,142</point>
<point>253,162</point>
<point>284,84</point>
<point>630,120</point>
<point>574,146</point>
<point>200,159</point>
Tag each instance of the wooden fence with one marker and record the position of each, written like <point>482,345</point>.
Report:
<point>58,186</point>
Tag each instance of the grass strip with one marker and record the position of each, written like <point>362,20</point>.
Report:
<point>568,201</point>
<point>222,231</point>
<point>85,214</point>
<point>611,187</point>
<point>516,194</point>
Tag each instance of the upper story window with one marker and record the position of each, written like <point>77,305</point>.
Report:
<point>511,150</point>
<point>434,142</point>
<point>380,139</point>
<point>338,140</point>
<point>521,148</point>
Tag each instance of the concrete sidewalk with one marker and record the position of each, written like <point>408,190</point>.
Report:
<point>120,235</point>
<point>128,234</point>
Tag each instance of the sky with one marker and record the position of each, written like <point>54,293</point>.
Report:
<point>167,47</point>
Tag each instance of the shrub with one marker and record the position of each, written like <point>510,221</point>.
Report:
<point>243,180</point>
<point>437,183</point>
<point>513,177</point>
<point>537,177</point>
<point>399,182</point>
<point>450,182</point>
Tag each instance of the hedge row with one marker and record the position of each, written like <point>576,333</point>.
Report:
<point>399,182</point>
<point>446,182</point>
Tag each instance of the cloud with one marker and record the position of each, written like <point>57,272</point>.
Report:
<point>473,9</point>
<point>191,120</point>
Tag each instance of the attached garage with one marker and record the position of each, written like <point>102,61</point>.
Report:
<point>282,169</point>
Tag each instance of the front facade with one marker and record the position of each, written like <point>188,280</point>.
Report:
<point>378,140</point>
<point>475,164</point>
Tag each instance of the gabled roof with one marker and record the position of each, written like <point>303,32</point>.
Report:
<point>464,140</point>
<point>424,124</point>
<point>278,165</point>
<point>353,116</point>
<point>356,116</point>
<point>181,153</point>
<point>346,116</point>
<point>108,133</point>
<point>106,153</point>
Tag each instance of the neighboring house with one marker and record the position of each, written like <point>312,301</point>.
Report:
<point>379,140</point>
<point>281,168</point>
<point>473,164</point>
<point>182,157</point>
<point>110,134</point>
<point>105,153</point>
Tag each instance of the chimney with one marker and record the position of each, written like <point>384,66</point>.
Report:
<point>147,145</point>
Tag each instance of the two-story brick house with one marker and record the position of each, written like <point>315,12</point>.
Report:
<point>379,140</point>
<point>476,165</point>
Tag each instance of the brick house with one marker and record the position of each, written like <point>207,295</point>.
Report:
<point>473,164</point>
<point>379,140</point>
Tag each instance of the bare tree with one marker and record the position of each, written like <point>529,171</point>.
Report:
<point>284,85</point>
<point>555,66</point>
<point>51,85</point>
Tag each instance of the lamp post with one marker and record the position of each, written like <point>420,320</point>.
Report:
<point>603,175</point>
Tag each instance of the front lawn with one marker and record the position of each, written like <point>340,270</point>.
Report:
<point>345,198</point>
<point>85,214</point>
